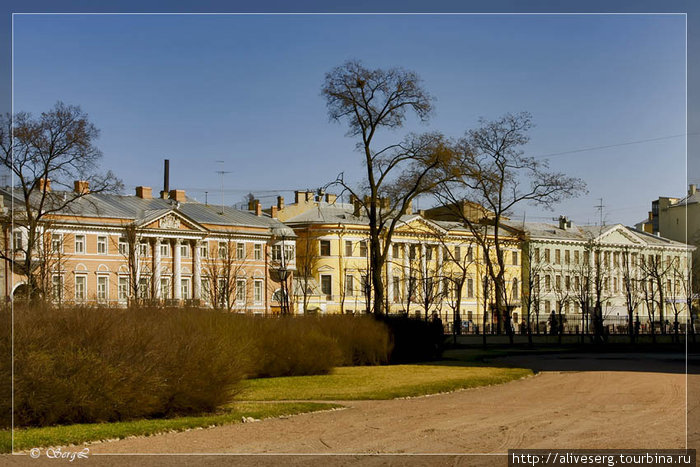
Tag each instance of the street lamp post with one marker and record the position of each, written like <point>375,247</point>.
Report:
<point>283,273</point>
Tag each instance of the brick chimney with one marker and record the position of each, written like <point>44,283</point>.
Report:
<point>44,182</point>
<point>692,189</point>
<point>330,198</point>
<point>178,195</point>
<point>273,212</point>
<point>144,192</point>
<point>258,208</point>
<point>564,223</point>
<point>81,186</point>
<point>280,202</point>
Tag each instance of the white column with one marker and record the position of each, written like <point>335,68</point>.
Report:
<point>389,274</point>
<point>177,276</point>
<point>439,270</point>
<point>156,268</point>
<point>197,269</point>
<point>406,269</point>
<point>423,261</point>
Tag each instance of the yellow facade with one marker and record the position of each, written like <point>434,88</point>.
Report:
<point>426,261</point>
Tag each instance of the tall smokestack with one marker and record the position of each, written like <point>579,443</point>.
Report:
<point>166,180</point>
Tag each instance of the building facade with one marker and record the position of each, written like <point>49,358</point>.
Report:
<point>433,267</point>
<point>115,250</point>
<point>566,266</point>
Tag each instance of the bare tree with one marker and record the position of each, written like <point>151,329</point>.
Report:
<point>681,295</point>
<point>374,100</point>
<point>224,267</point>
<point>134,249</point>
<point>56,148</point>
<point>532,269</point>
<point>657,272</point>
<point>630,287</point>
<point>491,170</point>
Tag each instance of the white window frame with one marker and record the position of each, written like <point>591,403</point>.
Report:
<point>81,297</point>
<point>240,299</point>
<point>123,289</point>
<point>165,288</point>
<point>222,249</point>
<point>102,295</point>
<point>123,246</point>
<point>204,250</point>
<point>185,250</point>
<point>240,250</point>
<point>57,243</point>
<point>258,287</point>
<point>17,240</point>
<point>102,242</point>
<point>186,288</point>
<point>164,250</point>
<point>80,243</point>
<point>57,294</point>
<point>257,251</point>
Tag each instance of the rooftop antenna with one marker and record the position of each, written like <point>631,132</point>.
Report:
<point>222,172</point>
<point>600,207</point>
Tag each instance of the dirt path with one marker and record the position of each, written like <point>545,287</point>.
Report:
<point>560,407</point>
<point>606,401</point>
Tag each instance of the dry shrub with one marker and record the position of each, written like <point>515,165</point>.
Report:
<point>81,365</point>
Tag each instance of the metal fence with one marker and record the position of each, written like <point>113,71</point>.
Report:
<point>612,325</point>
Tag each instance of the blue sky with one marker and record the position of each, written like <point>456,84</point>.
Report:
<point>246,90</point>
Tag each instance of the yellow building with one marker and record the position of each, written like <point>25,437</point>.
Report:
<point>432,268</point>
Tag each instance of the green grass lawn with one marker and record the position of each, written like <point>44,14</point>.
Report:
<point>379,382</point>
<point>26,438</point>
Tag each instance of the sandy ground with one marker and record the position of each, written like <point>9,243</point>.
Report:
<point>606,401</point>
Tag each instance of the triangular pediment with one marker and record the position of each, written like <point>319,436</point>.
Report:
<point>619,235</point>
<point>169,219</point>
<point>418,224</point>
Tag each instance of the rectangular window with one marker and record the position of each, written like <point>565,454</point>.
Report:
<point>396,253</point>
<point>240,250</point>
<point>470,254</point>
<point>557,282</point>
<point>123,246</point>
<point>257,251</point>
<point>123,289</point>
<point>557,256</point>
<point>204,250</point>
<point>363,249</point>
<point>185,251</point>
<point>240,290</point>
<point>17,243</point>
<point>515,258</point>
<point>567,257</point>
<point>57,287</point>
<point>102,288</point>
<point>80,243</point>
<point>143,250</point>
<point>412,252</point>
<point>206,290</point>
<point>615,284</point>
<point>289,252</point>
<point>222,291</point>
<point>577,282</point>
<point>325,247</point>
<point>397,289</point>
<point>348,248</point>
<point>586,257</point>
<point>144,288</point>
<point>101,245</point>
<point>429,253</point>
<point>80,287</point>
<point>326,285</point>
<point>458,254</point>
<point>349,286</point>
<point>547,283</point>
<point>536,257</point>
<point>470,287</point>
<point>164,288</point>
<point>576,257</point>
<point>185,288</point>
<point>223,250</point>
<point>276,252</point>
<point>57,243</point>
<point>258,291</point>
<point>547,258</point>
<point>616,259</point>
<point>567,283</point>
<point>164,250</point>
